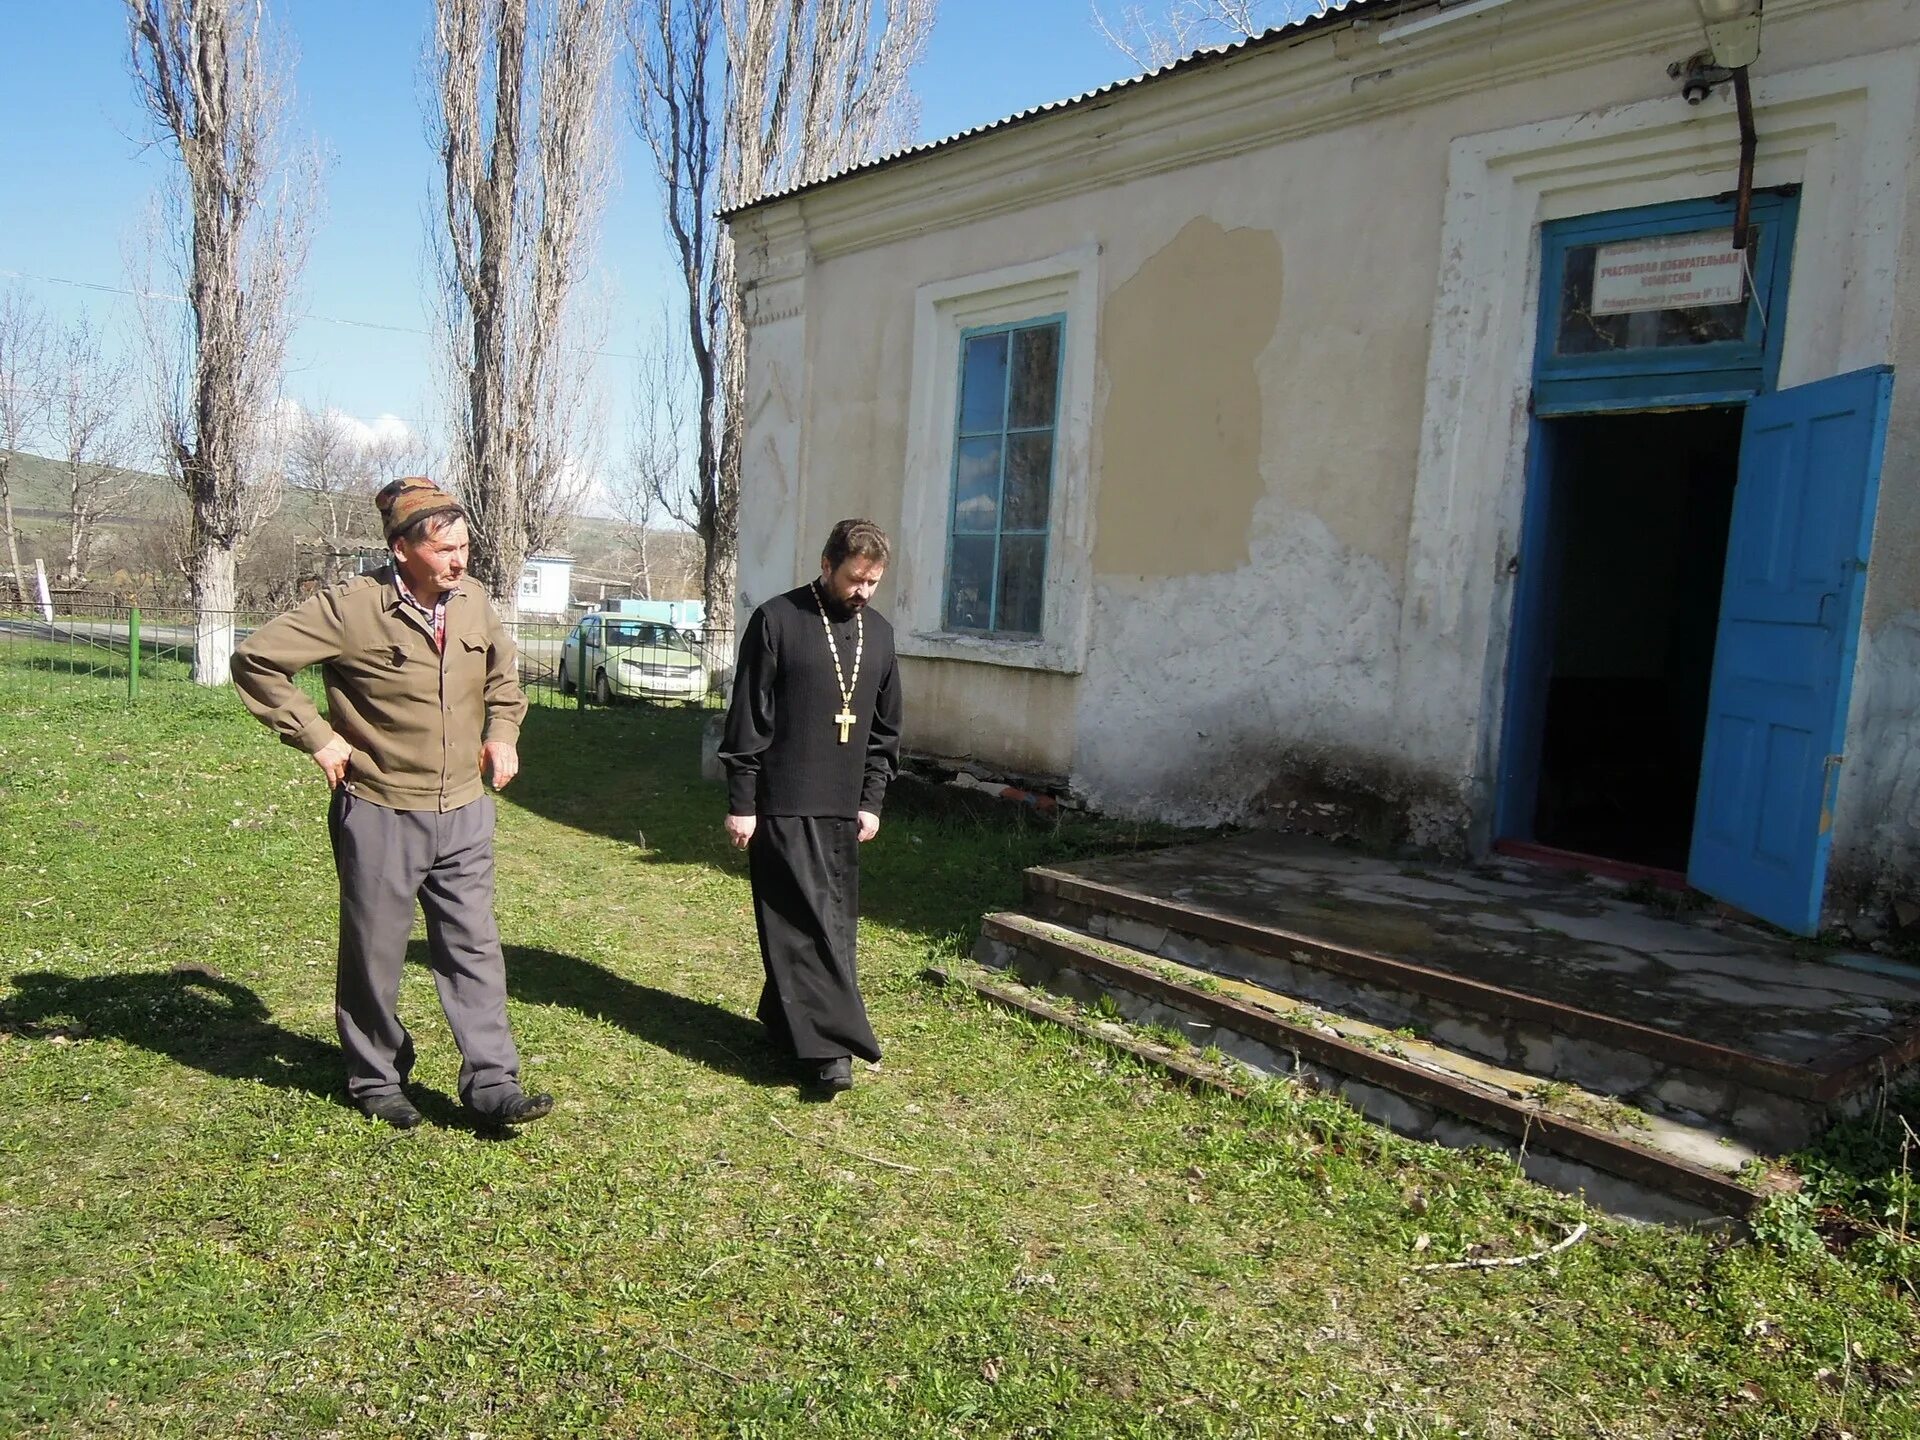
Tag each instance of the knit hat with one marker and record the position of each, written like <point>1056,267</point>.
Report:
<point>412,498</point>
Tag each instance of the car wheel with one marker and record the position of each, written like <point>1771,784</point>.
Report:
<point>602,691</point>
<point>566,685</point>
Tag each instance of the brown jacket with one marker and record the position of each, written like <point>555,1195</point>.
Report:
<point>416,718</point>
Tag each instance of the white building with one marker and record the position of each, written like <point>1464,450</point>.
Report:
<point>1344,428</point>
<point>546,585</point>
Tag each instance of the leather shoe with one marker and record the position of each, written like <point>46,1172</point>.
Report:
<point>837,1074</point>
<point>519,1108</point>
<point>395,1109</point>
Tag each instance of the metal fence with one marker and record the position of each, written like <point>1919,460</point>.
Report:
<point>148,649</point>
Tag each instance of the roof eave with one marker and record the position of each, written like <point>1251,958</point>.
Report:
<point>1290,33</point>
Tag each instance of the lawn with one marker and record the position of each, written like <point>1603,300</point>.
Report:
<point>1003,1231</point>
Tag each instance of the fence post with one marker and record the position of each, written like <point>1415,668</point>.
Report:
<point>133,654</point>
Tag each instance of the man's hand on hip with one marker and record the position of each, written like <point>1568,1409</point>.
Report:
<point>332,759</point>
<point>740,830</point>
<point>869,826</point>
<point>502,759</point>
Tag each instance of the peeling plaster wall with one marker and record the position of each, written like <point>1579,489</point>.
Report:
<point>1249,536</point>
<point>1876,853</point>
<point>1265,324</point>
<point>1204,689</point>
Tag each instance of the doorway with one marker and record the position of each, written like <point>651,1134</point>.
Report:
<point>1639,506</point>
<point>1691,564</point>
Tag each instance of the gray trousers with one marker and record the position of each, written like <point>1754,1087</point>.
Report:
<point>388,859</point>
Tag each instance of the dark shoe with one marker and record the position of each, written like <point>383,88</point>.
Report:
<point>395,1109</point>
<point>519,1109</point>
<point>837,1074</point>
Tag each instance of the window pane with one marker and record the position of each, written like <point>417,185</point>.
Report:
<point>1599,311</point>
<point>1029,469</point>
<point>1022,566</point>
<point>983,384</point>
<point>1036,370</point>
<point>970,584</point>
<point>976,486</point>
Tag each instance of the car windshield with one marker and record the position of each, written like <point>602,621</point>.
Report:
<point>628,634</point>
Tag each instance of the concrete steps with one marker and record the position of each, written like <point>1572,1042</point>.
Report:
<point>1386,1061</point>
<point>1771,1106</point>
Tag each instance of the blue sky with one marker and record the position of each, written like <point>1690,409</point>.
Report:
<point>78,175</point>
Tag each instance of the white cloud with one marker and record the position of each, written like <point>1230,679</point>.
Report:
<point>286,412</point>
<point>387,428</point>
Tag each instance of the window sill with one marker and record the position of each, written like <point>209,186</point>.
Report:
<point>988,650</point>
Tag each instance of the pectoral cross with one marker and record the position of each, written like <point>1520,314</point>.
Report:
<point>846,720</point>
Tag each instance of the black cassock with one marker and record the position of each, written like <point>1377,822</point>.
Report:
<point>787,765</point>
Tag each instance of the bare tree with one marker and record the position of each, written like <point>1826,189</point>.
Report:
<point>216,94</point>
<point>656,479</point>
<point>336,465</point>
<point>23,407</point>
<point>318,461</point>
<point>521,129</point>
<point>90,425</point>
<point>1155,40</point>
<point>735,99</point>
<point>639,516</point>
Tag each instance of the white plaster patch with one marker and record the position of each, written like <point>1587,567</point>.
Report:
<point>1197,687</point>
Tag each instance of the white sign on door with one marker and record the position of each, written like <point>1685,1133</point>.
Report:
<point>1668,272</point>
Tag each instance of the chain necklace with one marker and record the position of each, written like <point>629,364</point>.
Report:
<point>846,719</point>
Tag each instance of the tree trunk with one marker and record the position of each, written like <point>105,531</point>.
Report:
<point>214,592</point>
<point>720,577</point>
<point>13,535</point>
<point>78,538</point>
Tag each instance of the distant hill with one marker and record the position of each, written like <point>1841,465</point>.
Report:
<point>40,492</point>
<point>131,549</point>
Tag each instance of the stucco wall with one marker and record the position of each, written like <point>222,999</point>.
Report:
<point>1877,817</point>
<point>1265,355</point>
<point>1019,721</point>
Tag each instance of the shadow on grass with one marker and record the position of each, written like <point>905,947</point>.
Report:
<point>632,774</point>
<point>223,1028</point>
<point>695,1030</point>
<point>89,663</point>
<point>193,1017</point>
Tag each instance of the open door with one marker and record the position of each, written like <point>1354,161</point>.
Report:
<point>1530,652</point>
<point>1783,659</point>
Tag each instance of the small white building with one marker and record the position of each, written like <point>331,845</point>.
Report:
<point>1375,427</point>
<point>546,585</point>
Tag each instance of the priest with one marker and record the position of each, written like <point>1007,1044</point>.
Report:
<point>812,740</point>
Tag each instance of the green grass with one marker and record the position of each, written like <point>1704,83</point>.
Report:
<point>1004,1231</point>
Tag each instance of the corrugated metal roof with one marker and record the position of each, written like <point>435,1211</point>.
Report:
<point>1293,29</point>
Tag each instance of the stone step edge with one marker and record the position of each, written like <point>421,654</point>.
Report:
<point>1722,1194</point>
<point>1792,1081</point>
<point>1184,1070</point>
<point>1421,1052</point>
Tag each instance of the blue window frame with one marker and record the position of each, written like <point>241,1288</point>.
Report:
<point>1004,448</point>
<point>1587,359</point>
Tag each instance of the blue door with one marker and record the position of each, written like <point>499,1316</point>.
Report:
<point>1530,653</point>
<point>1783,661</point>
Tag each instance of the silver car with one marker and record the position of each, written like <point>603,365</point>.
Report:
<point>621,658</point>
